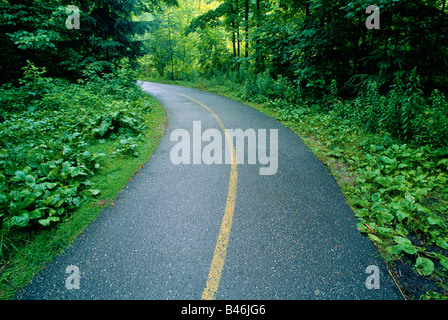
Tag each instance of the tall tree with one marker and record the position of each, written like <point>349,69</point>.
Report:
<point>246,24</point>
<point>316,42</point>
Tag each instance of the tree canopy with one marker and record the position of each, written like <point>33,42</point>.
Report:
<point>36,30</point>
<point>315,42</point>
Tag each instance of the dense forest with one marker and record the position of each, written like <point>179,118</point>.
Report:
<point>309,42</point>
<point>316,50</point>
<point>372,81</point>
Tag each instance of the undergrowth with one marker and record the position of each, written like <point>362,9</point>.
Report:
<point>47,130</point>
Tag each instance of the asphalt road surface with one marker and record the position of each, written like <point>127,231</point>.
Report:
<point>221,230</point>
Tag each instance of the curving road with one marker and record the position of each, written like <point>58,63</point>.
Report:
<point>221,230</point>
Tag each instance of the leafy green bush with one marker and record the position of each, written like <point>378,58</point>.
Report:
<point>396,182</point>
<point>263,87</point>
<point>46,161</point>
<point>404,112</point>
<point>45,167</point>
<point>33,87</point>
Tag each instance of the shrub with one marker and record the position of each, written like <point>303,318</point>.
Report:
<point>45,142</point>
<point>403,112</point>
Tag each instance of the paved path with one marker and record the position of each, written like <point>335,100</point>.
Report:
<point>223,231</point>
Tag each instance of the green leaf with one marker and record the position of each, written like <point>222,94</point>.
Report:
<point>46,222</point>
<point>20,220</point>
<point>424,266</point>
<point>401,215</point>
<point>94,191</point>
<point>386,217</point>
<point>393,250</point>
<point>35,214</point>
<point>30,180</point>
<point>59,203</point>
<point>402,240</point>
<point>408,196</point>
<point>76,172</point>
<point>45,168</point>
<point>77,202</point>
<point>361,227</point>
<point>442,243</point>
<point>54,172</point>
<point>21,175</point>
<point>3,198</point>
<point>28,200</point>
<point>404,244</point>
<point>386,160</point>
<point>443,261</point>
<point>87,155</point>
<point>384,231</point>
<point>10,167</point>
<point>435,221</point>
<point>408,248</point>
<point>376,197</point>
<point>48,200</point>
<point>374,238</point>
<point>401,230</point>
<point>51,185</point>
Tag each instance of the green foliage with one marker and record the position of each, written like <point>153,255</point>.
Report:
<point>395,183</point>
<point>313,42</point>
<point>263,88</point>
<point>36,30</point>
<point>404,112</point>
<point>211,17</point>
<point>399,190</point>
<point>46,164</point>
<point>175,51</point>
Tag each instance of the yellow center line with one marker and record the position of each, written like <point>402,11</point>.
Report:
<point>219,256</point>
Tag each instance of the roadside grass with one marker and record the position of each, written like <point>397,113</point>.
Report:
<point>32,251</point>
<point>397,191</point>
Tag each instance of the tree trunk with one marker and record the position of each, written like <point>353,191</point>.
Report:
<point>238,27</point>
<point>307,9</point>
<point>442,17</point>
<point>357,39</point>
<point>257,44</point>
<point>232,13</point>
<point>171,49</point>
